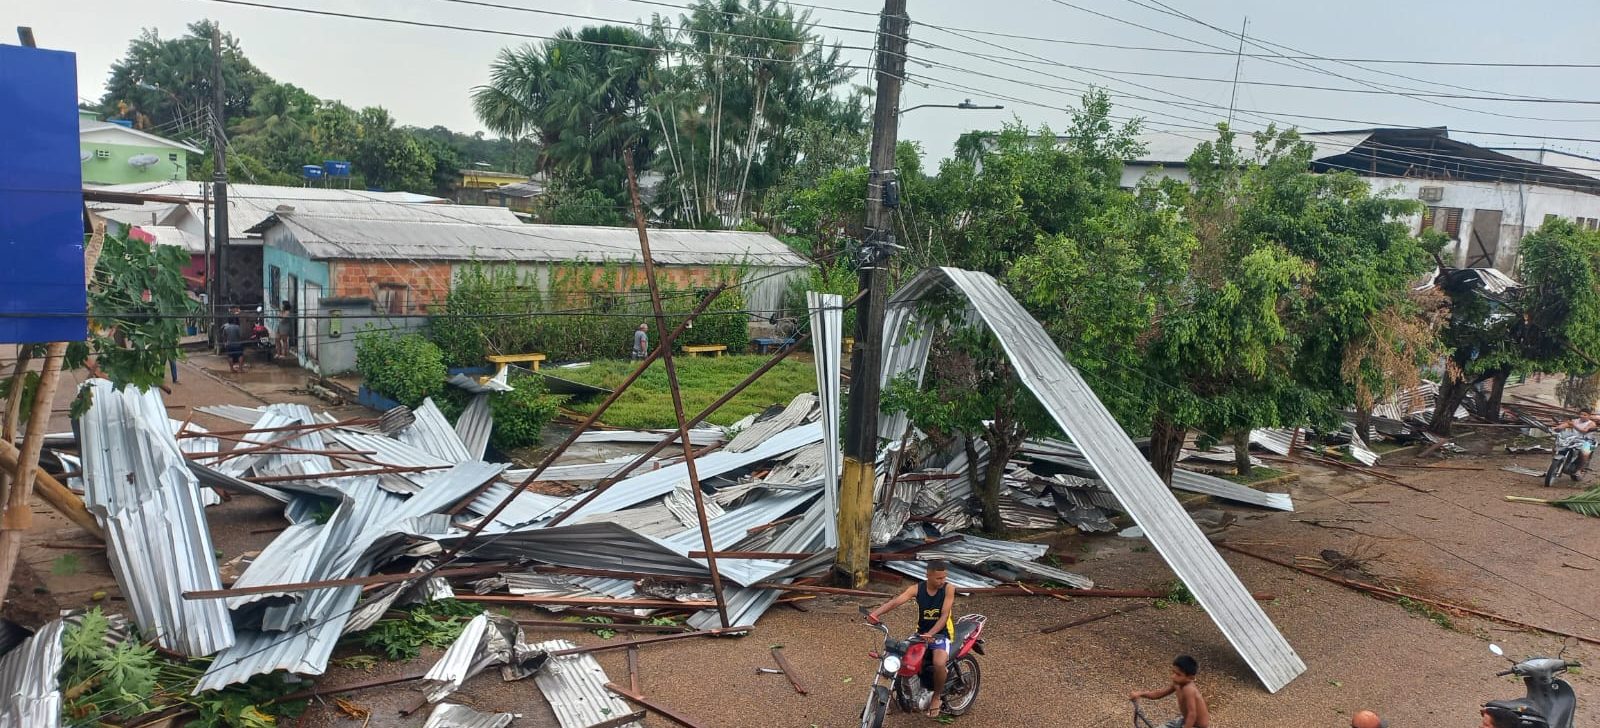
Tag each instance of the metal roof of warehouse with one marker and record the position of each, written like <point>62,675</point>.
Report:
<point>441,232</point>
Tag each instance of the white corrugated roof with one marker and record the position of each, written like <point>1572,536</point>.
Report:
<point>92,128</point>
<point>1169,147</point>
<point>195,190</point>
<point>431,232</point>
<point>176,237</point>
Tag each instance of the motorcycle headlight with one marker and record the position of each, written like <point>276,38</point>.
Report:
<point>891,664</point>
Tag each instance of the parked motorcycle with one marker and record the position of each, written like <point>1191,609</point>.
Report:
<point>1550,702</point>
<point>1569,450</point>
<point>905,673</point>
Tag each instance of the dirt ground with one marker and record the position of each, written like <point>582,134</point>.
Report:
<point>1459,542</point>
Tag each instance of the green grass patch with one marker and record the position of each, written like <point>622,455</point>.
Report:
<point>1421,609</point>
<point>1257,474</point>
<point>648,403</point>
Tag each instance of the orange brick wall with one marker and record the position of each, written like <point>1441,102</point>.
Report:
<point>429,282</point>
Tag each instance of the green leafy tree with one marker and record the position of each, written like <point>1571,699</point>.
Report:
<point>164,84</point>
<point>1551,324</point>
<point>580,97</point>
<point>971,394</point>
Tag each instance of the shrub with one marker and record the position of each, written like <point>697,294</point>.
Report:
<point>838,278</point>
<point>406,369</point>
<point>475,323</point>
<point>520,415</point>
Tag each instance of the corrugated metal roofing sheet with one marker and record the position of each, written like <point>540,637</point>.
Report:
<point>575,687</point>
<point>699,436</point>
<point>432,433</point>
<point>328,237</point>
<point>30,689</point>
<point>366,518</point>
<point>475,425</point>
<point>1073,405</point>
<point>827,330</point>
<point>450,715</point>
<point>799,410</point>
<point>139,485</point>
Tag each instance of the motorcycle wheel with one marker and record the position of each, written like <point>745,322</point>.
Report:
<point>1556,466</point>
<point>877,705</point>
<point>962,690</point>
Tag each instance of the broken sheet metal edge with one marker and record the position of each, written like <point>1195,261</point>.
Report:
<point>574,685</point>
<point>471,384</point>
<point>455,665</point>
<point>280,462</point>
<point>242,464</point>
<point>305,648</point>
<point>233,412</point>
<point>1042,367</point>
<point>31,696</point>
<point>139,485</point>
<point>451,715</point>
<point>581,471</point>
<point>733,527</point>
<point>1276,441</point>
<point>745,606</point>
<point>1063,453</point>
<point>475,425</point>
<point>793,415</point>
<point>827,326</point>
<point>430,432</point>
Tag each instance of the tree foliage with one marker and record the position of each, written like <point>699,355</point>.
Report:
<point>163,85</point>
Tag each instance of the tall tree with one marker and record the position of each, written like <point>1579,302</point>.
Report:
<point>165,84</point>
<point>574,97</point>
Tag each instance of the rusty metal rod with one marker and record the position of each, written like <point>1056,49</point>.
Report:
<point>559,624</point>
<point>316,427</point>
<point>477,570</point>
<point>400,470</point>
<point>645,703</point>
<point>775,555</point>
<point>604,646</point>
<point>669,439</point>
<point>1392,594</point>
<point>665,345</point>
<point>809,589</point>
<point>672,387</point>
<point>1095,618</point>
<point>586,601</point>
<point>622,720</point>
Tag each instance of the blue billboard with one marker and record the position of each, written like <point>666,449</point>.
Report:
<point>42,295</point>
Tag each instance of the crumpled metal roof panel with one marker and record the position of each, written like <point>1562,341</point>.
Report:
<point>30,691</point>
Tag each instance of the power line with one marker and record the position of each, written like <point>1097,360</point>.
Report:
<point>1271,48</point>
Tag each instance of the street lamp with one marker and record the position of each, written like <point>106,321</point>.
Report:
<point>966,104</point>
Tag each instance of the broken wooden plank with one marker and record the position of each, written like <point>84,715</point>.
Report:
<point>788,671</point>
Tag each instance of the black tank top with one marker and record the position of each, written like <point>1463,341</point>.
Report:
<point>929,608</point>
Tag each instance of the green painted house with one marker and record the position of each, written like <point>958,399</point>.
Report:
<point>115,154</point>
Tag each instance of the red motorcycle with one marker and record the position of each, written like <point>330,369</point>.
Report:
<point>906,674</point>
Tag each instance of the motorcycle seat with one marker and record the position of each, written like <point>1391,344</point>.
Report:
<point>966,627</point>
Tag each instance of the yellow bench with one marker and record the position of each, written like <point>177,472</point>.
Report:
<point>849,345</point>
<point>717,349</point>
<point>501,360</point>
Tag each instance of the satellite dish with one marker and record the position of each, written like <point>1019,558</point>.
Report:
<point>143,160</point>
<point>85,155</point>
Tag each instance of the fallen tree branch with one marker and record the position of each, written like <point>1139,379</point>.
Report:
<point>1095,618</point>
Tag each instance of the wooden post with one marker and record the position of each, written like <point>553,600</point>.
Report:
<point>860,471</point>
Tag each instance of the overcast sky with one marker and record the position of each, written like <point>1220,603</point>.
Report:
<point>424,75</point>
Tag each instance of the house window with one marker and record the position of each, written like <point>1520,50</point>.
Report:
<point>1444,219</point>
<point>274,285</point>
<point>102,154</point>
<point>393,297</point>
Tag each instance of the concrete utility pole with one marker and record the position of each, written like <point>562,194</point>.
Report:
<point>866,363</point>
<point>219,177</point>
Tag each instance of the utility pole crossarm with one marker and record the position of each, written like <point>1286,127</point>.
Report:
<point>861,428</point>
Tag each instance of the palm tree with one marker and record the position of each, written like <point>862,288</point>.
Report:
<point>581,97</point>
